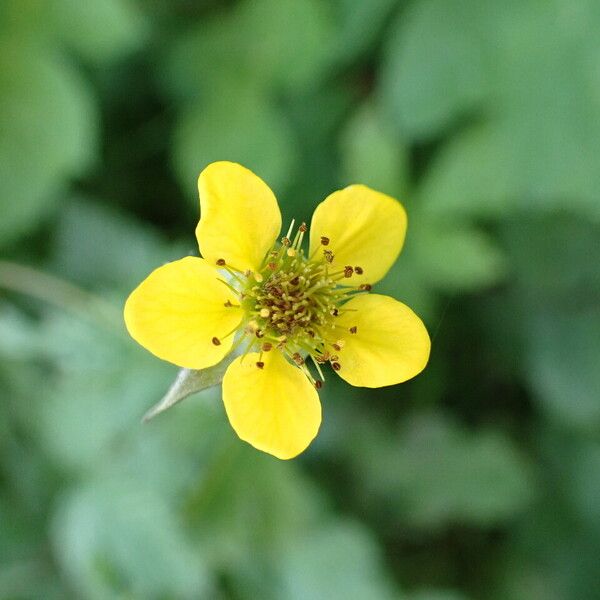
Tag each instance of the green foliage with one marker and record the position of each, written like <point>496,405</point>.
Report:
<point>480,479</point>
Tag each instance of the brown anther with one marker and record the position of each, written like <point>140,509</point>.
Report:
<point>295,280</point>
<point>353,329</point>
<point>335,312</point>
<point>303,228</point>
<point>228,303</point>
<point>336,347</point>
<point>298,359</point>
<point>260,364</point>
<point>318,384</point>
<point>266,347</point>
<point>365,286</point>
<point>259,333</point>
<point>328,254</point>
<point>348,271</point>
<point>272,266</point>
<point>358,270</point>
<point>216,341</point>
<point>286,241</point>
<point>336,366</point>
<point>221,262</point>
<point>324,241</point>
<point>334,358</point>
<point>248,273</point>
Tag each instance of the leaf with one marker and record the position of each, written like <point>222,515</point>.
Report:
<point>257,42</point>
<point>49,125</point>
<point>340,561</point>
<point>130,248</point>
<point>115,538</point>
<point>532,130</point>
<point>188,382</point>
<point>372,155</point>
<point>240,125</point>
<point>433,473</point>
<point>434,71</point>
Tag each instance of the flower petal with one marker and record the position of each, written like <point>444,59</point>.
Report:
<point>275,408</point>
<point>239,216</point>
<point>390,345</point>
<point>178,309</point>
<point>365,228</point>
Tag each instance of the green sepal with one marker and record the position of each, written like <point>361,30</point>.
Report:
<point>188,382</point>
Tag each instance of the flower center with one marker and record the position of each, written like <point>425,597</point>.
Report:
<point>291,303</point>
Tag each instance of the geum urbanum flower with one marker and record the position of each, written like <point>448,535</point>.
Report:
<point>286,311</point>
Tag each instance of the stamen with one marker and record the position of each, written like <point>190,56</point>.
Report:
<point>358,270</point>
<point>336,366</point>
<point>221,262</point>
<point>216,341</point>
<point>353,329</point>
<point>348,271</point>
<point>260,364</point>
<point>324,241</point>
<point>365,286</point>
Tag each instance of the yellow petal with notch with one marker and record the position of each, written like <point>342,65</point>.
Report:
<point>365,228</point>
<point>239,216</point>
<point>275,409</point>
<point>177,311</point>
<point>384,342</point>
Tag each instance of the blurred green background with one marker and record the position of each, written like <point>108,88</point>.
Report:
<point>480,479</point>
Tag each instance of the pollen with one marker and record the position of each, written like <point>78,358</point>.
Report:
<point>292,303</point>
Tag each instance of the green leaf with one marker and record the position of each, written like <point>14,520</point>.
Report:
<point>372,155</point>
<point>240,126</point>
<point>433,473</point>
<point>562,365</point>
<point>434,71</point>
<point>49,125</point>
<point>114,538</point>
<point>340,561</point>
<point>76,25</point>
<point>532,131</point>
<point>257,42</point>
<point>130,249</point>
<point>456,257</point>
<point>188,382</point>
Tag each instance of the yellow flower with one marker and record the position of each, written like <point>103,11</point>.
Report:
<point>287,312</point>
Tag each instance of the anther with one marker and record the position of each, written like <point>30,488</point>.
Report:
<point>336,366</point>
<point>221,262</point>
<point>260,364</point>
<point>267,347</point>
<point>264,312</point>
<point>291,252</point>
<point>286,241</point>
<point>272,266</point>
<point>318,384</point>
<point>228,303</point>
<point>298,359</point>
<point>348,271</point>
<point>258,277</point>
<point>259,333</point>
<point>324,241</point>
<point>335,312</point>
<point>365,286</point>
<point>216,341</point>
<point>328,254</point>
<point>353,329</point>
<point>303,228</point>
<point>358,270</point>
